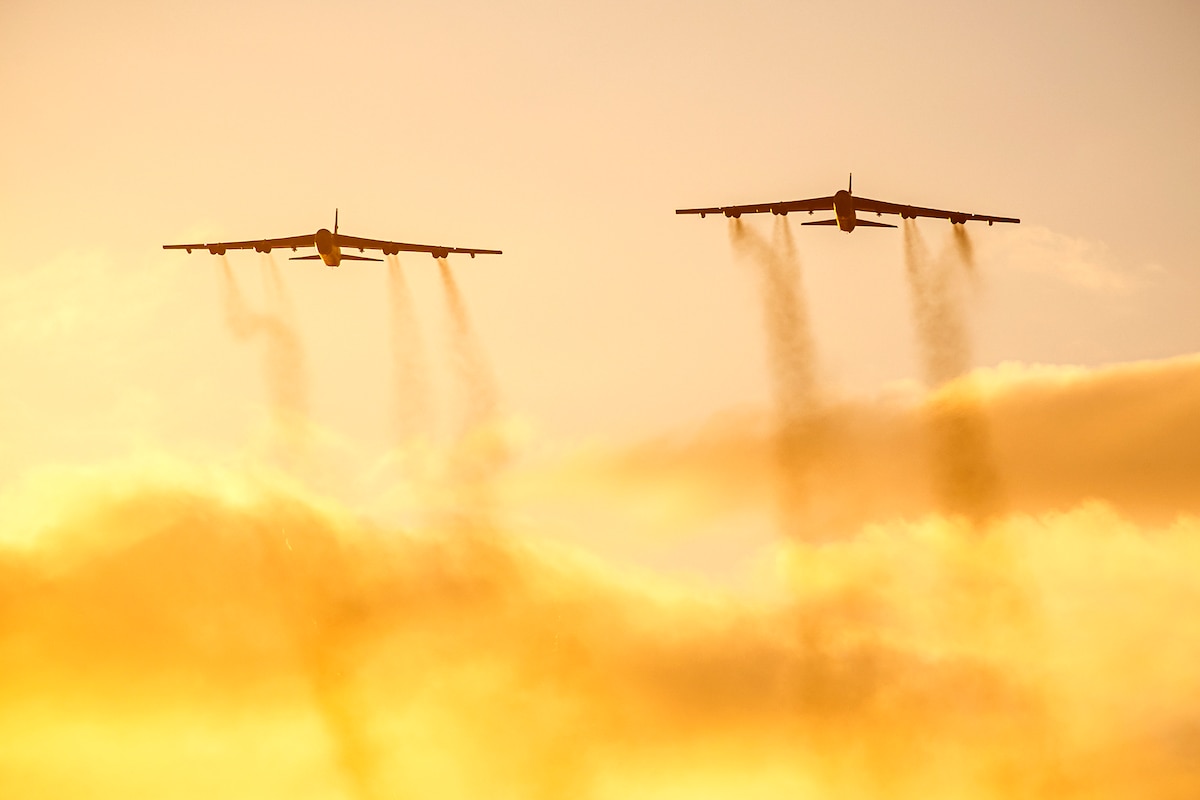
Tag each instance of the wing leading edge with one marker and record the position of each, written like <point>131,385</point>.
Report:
<point>261,245</point>
<point>782,207</point>
<point>392,248</point>
<point>912,212</point>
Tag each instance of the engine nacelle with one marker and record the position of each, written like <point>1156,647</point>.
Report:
<point>262,248</point>
<point>733,214</point>
<point>779,212</point>
<point>217,251</point>
<point>440,253</point>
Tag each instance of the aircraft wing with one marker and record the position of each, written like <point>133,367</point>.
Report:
<point>782,207</point>
<point>392,248</point>
<point>261,245</point>
<point>911,212</point>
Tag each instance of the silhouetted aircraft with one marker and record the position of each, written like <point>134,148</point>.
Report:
<point>845,207</point>
<point>329,246</point>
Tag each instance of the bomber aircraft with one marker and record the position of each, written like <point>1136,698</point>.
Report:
<point>329,246</point>
<point>845,207</point>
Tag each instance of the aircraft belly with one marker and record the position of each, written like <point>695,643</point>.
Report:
<point>843,209</point>
<point>333,257</point>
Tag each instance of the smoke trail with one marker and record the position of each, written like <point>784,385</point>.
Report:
<point>480,450</point>
<point>792,358</point>
<point>283,356</point>
<point>938,311</point>
<point>964,464</point>
<point>966,249</point>
<point>476,379</point>
<point>966,254</point>
<point>279,304</point>
<point>408,358</point>
<point>321,630</point>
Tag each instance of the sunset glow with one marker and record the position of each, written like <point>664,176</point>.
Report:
<point>646,506</point>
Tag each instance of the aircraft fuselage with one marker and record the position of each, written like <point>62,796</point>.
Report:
<point>327,248</point>
<point>843,209</point>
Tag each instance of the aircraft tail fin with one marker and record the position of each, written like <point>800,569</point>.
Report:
<point>850,188</point>
<point>335,222</point>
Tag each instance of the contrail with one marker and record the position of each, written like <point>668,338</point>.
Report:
<point>408,358</point>
<point>964,465</point>
<point>284,366</point>
<point>792,357</point>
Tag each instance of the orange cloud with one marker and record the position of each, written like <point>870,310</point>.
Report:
<point>184,630</point>
<point>1126,435</point>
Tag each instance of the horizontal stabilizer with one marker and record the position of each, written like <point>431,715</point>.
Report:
<point>305,258</point>
<point>348,257</point>
<point>866,223</point>
<point>821,222</point>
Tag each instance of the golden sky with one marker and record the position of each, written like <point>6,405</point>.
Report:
<point>648,506</point>
<point>567,136</point>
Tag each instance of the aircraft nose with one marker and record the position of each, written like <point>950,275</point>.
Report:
<point>324,240</point>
